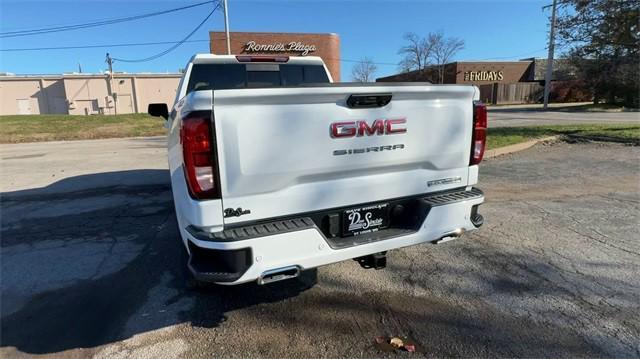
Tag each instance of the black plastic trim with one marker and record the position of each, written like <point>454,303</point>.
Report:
<point>448,197</point>
<point>220,266</point>
<point>368,100</point>
<point>253,230</point>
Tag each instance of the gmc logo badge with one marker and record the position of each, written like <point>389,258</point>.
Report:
<point>362,128</point>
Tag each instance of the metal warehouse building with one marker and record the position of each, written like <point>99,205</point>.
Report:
<point>85,94</point>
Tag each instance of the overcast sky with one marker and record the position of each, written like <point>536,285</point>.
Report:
<point>501,30</point>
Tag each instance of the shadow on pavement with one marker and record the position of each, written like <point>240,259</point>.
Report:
<point>77,266</point>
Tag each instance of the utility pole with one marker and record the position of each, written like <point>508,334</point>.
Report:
<point>109,62</point>
<point>549,73</point>
<point>226,27</point>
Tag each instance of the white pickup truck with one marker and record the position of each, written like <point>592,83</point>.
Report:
<point>275,169</point>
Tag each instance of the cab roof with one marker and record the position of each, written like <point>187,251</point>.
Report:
<point>235,59</point>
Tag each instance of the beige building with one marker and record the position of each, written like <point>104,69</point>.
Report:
<point>85,94</point>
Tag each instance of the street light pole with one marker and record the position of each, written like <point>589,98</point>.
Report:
<point>226,27</point>
<point>549,73</point>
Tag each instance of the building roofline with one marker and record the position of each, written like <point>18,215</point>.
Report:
<point>85,75</point>
<point>213,58</point>
<point>276,33</point>
<point>409,73</point>
<point>490,61</point>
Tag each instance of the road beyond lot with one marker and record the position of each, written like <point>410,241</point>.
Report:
<point>91,266</point>
<point>511,117</point>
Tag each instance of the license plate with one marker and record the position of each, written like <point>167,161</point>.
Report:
<point>367,219</point>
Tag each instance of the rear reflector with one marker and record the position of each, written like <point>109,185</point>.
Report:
<point>198,150</point>
<point>262,58</point>
<point>479,136</point>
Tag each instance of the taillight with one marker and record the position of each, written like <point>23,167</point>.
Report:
<point>245,58</point>
<point>479,136</point>
<point>198,151</point>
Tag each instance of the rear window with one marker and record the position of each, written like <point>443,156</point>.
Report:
<point>253,75</point>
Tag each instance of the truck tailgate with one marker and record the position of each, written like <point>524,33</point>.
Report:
<point>277,155</point>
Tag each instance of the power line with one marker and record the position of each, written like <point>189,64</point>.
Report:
<point>95,23</point>
<point>375,63</point>
<point>40,31</point>
<point>160,54</point>
<point>96,46</point>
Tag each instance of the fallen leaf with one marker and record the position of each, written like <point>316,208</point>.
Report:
<point>411,348</point>
<point>396,342</point>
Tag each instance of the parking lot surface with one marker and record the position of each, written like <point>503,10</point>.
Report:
<point>92,267</point>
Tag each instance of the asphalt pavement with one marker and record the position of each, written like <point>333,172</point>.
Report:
<point>92,267</point>
<point>517,116</point>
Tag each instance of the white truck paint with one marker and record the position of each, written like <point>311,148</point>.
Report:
<point>284,158</point>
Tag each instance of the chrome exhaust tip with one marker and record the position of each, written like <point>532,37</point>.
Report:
<point>276,275</point>
<point>449,236</point>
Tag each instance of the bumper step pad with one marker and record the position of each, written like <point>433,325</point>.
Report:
<point>441,199</point>
<point>255,230</point>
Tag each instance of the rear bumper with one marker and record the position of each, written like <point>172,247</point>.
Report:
<point>245,259</point>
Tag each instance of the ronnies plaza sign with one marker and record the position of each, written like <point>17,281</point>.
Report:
<point>294,46</point>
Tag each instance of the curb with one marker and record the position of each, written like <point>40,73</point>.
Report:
<point>517,147</point>
<point>630,141</point>
<point>84,139</point>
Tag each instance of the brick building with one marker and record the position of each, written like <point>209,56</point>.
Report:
<point>500,82</point>
<point>472,72</point>
<point>326,46</point>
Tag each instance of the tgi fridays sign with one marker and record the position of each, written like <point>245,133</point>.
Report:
<point>483,76</point>
<point>294,46</point>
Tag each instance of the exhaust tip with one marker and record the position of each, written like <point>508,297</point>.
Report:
<point>276,275</point>
<point>449,236</point>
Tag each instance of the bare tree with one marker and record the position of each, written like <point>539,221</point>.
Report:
<point>420,53</point>
<point>364,70</point>
<point>444,50</point>
<point>416,53</point>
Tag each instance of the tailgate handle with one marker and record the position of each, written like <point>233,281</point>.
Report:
<point>369,100</point>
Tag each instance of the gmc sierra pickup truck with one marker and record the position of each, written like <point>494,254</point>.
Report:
<point>275,169</point>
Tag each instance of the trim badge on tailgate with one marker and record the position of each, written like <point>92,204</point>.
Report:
<point>443,181</point>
